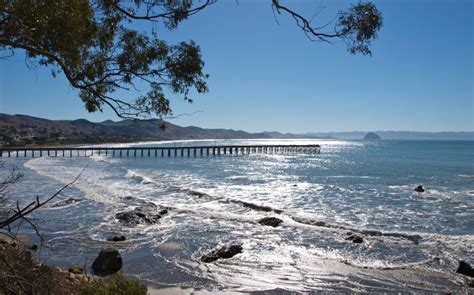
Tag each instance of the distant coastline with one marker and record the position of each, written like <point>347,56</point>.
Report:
<point>23,130</point>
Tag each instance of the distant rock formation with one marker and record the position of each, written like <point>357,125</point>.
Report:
<point>372,136</point>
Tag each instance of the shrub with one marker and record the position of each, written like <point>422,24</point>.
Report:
<point>114,285</point>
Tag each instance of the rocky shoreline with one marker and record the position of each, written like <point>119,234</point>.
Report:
<point>22,273</point>
<point>109,261</point>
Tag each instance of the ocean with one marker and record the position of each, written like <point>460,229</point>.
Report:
<point>412,242</point>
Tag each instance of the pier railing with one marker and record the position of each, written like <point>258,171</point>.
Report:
<point>159,151</point>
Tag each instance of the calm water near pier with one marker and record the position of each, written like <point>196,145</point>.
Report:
<point>362,187</point>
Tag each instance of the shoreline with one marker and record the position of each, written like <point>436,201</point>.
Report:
<point>415,278</point>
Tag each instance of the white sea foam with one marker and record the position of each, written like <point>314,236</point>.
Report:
<point>143,179</point>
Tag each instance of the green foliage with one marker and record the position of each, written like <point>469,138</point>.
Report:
<point>114,285</point>
<point>359,26</point>
<point>91,42</point>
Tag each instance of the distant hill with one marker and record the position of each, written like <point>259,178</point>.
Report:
<point>19,130</point>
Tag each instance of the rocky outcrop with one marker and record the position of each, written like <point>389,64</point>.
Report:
<point>354,238</point>
<point>116,239</point>
<point>465,269</point>
<point>224,252</point>
<point>309,221</point>
<point>419,189</point>
<point>372,136</point>
<point>270,221</point>
<point>140,216</point>
<point>107,262</point>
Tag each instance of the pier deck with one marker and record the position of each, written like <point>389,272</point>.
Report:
<point>158,151</point>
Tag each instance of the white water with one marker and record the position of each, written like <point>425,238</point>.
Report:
<point>340,187</point>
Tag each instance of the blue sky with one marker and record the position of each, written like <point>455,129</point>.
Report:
<point>266,75</point>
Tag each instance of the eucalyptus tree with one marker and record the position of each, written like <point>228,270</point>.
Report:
<point>96,46</point>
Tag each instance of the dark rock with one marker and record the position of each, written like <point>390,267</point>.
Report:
<point>129,217</point>
<point>318,223</point>
<point>108,262</point>
<point>65,202</point>
<point>465,269</point>
<point>355,239</point>
<point>309,221</point>
<point>76,270</point>
<point>419,189</point>
<point>470,283</point>
<point>117,239</point>
<point>33,247</point>
<point>197,194</point>
<point>138,216</point>
<point>256,207</point>
<point>372,136</point>
<point>223,252</point>
<point>270,221</point>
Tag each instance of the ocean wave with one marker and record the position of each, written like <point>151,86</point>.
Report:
<point>141,178</point>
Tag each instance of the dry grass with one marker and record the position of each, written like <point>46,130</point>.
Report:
<point>20,273</point>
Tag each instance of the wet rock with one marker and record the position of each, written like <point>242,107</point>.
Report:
<point>33,247</point>
<point>270,221</point>
<point>355,239</point>
<point>65,202</point>
<point>465,269</point>
<point>77,270</point>
<point>470,284</point>
<point>257,207</point>
<point>318,223</point>
<point>138,216</point>
<point>107,262</point>
<point>225,252</point>
<point>309,221</point>
<point>419,189</point>
<point>197,194</point>
<point>117,239</point>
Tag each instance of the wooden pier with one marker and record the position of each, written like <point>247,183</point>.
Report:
<point>159,151</point>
